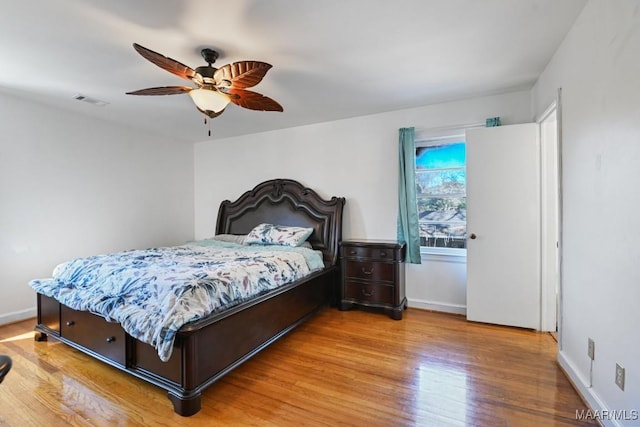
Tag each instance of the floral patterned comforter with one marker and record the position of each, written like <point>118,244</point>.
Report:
<point>152,293</point>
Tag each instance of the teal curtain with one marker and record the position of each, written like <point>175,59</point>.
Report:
<point>408,228</point>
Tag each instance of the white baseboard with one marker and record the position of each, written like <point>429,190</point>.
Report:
<point>438,306</point>
<point>17,316</point>
<point>581,384</point>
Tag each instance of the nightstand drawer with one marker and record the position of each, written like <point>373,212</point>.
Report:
<point>94,333</point>
<point>367,252</point>
<point>366,270</point>
<point>372,293</point>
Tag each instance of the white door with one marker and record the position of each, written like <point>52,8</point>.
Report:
<point>503,225</point>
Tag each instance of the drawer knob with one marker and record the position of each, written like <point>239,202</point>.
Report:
<point>383,254</point>
<point>353,252</point>
<point>70,323</point>
<point>364,271</point>
<point>111,339</point>
<point>368,294</point>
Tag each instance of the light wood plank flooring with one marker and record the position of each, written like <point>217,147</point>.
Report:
<point>340,368</point>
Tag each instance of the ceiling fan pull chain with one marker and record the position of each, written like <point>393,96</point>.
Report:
<point>207,122</point>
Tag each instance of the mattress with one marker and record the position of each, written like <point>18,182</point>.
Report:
<point>153,292</point>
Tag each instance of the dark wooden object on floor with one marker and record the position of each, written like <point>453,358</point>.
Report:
<point>207,349</point>
<point>373,275</point>
<point>5,366</point>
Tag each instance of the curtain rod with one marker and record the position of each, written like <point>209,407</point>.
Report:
<point>426,134</point>
<point>450,127</point>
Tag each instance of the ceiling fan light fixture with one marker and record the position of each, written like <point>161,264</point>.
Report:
<point>209,100</point>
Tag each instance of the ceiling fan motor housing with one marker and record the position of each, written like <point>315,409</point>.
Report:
<point>206,71</point>
<point>210,56</point>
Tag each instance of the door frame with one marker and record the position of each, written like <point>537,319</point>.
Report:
<point>551,214</point>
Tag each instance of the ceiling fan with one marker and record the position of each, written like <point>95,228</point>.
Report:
<point>215,87</point>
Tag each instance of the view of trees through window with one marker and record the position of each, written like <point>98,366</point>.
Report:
<point>441,183</point>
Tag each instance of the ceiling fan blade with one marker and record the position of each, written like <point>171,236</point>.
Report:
<point>253,100</point>
<point>241,74</point>
<point>166,63</point>
<point>164,90</point>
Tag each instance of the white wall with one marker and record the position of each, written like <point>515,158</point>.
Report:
<point>598,69</point>
<point>71,186</point>
<point>354,158</point>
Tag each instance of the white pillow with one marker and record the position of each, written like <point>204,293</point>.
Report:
<point>270,234</point>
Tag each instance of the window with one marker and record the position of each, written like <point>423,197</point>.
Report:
<point>441,183</point>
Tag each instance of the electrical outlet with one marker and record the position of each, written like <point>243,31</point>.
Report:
<point>620,376</point>
<point>591,349</point>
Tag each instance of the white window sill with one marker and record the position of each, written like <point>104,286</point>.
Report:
<point>443,254</point>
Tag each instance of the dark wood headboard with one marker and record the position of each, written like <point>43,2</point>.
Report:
<point>286,202</point>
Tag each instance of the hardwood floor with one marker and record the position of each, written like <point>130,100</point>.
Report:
<point>340,368</point>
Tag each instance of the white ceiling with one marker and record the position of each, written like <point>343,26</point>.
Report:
<point>332,59</point>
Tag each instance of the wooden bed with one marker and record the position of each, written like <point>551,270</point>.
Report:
<point>197,361</point>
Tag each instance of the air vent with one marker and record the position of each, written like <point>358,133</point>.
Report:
<point>89,100</point>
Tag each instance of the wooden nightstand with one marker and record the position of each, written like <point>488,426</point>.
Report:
<point>373,275</point>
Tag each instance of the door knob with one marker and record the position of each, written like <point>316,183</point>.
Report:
<point>472,236</point>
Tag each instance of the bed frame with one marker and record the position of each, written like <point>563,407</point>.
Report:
<point>197,362</point>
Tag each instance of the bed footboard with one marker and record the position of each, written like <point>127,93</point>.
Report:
<point>199,359</point>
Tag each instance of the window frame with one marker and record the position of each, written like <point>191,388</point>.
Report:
<point>449,136</point>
